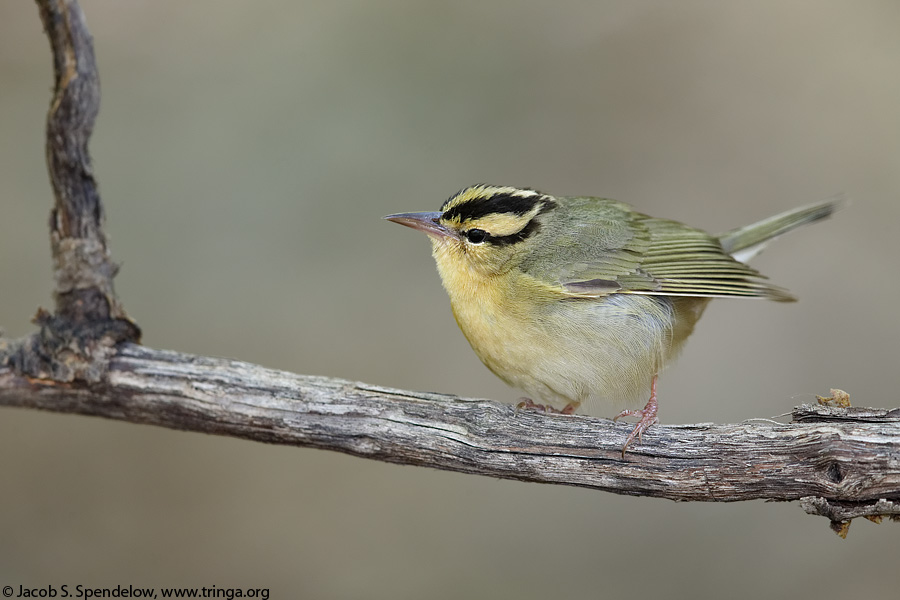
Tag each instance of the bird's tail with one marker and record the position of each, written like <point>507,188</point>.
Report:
<point>746,242</point>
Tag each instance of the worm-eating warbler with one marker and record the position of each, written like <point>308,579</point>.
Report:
<point>579,300</point>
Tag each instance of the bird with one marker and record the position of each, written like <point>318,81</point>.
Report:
<point>581,301</point>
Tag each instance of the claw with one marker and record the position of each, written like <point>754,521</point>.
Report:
<point>529,404</point>
<point>647,419</point>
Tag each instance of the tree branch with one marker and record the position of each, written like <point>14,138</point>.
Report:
<point>840,462</point>
<point>848,458</point>
<point>75,341</point>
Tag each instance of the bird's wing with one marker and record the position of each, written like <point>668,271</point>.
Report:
<point>625,252</point>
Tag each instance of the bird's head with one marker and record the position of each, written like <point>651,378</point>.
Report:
<point>483,230</point>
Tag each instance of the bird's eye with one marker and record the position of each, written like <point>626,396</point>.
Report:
<point>476,236</point>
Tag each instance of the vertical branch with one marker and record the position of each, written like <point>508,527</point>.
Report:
<point>70,121</point>
<point>88,321</point>
<point>81,260</point>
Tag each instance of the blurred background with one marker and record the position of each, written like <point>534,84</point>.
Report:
<point>246,153</point>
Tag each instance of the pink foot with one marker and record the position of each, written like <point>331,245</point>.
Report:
<point>530,404</point>
<point>647,416</point>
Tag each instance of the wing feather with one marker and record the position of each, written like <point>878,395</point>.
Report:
<point>609,248</point>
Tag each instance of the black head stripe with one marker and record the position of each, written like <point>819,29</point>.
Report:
<point>498,203</point>
<point>529,230</point>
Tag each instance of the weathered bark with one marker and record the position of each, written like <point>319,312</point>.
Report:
<point>850,457</point>
<point>75,341</point>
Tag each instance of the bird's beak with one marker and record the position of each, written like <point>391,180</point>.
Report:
<point>426,222</point>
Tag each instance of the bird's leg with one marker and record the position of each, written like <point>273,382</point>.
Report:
<point>647,417</point>
<point>530,404</point>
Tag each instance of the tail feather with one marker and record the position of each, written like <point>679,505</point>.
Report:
<point>743,243</point>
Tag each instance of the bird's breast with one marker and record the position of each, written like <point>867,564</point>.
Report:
<point>601,352</point>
